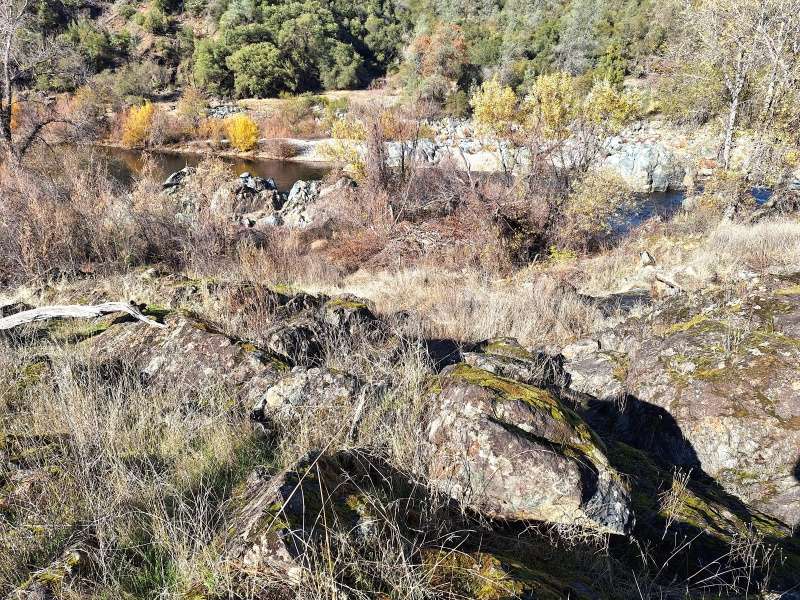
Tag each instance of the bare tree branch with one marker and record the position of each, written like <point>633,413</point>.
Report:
<point>74,312</point>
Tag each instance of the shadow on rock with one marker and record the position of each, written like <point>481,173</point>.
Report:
<point>359,523</point>
<point>678,504</point>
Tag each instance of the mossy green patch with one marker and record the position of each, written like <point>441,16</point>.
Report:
<point>157,312</point>
<point>539,399</point>
<point>793,290</point>
<point>505,348</point>
<point>471,575</point>
<point>682,326</point>
<point>347,303</point>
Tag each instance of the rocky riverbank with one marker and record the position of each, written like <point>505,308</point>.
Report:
<point>649,156</point>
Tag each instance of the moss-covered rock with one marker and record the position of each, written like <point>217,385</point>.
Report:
<point>514,451</point>
<point>725,371</point>
<point>507,358</point>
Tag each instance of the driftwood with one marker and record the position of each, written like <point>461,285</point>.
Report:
<point>74,312</point>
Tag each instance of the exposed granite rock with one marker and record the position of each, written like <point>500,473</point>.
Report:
<point>724,372</point>
<point>305,205</point>
<point>507,358</point>
<point>305,389</point>
<point>189,356</point>
<point>646,167</point>
<point>513,451</point>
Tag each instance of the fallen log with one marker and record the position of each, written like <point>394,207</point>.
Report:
<point>44,313</point>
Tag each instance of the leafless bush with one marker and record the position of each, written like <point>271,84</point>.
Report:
<point>280,148</point>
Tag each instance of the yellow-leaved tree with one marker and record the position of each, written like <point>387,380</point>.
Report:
<point>138,125</point>
<point>242,132</point>
<point>607,107</point>
<point>553,105</point>
<point>495,108</point>
<point>595,204</point>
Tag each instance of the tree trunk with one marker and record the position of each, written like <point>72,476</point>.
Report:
<point>729,129</point>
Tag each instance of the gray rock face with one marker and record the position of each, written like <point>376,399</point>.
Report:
<point>245,195</point>
<point>599,374</point>
<point>711,385</point>
<point>189,357</point>
<point>223,111</point>
<point>175,179</point>
<point>646,167</point>
<point>513,451</point>
<point>299,208</point>
<point>295,341</point>
<point>305,389</point>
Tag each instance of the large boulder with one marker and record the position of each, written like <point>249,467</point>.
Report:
<point>507,358</point>
<point>726,371</point>
<point>303,390</point>
<point>188,356</point>
<point>352,522</point>
<point>299,208</point>
<point>173,181</point>
<point>594,369</point>
<point>513,451</point>
<point>646,167</point>
<point>246,195</point>
<point>305,206</point>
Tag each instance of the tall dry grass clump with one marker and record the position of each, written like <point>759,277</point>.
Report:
<point>70,217</point>
<point>126,478</point>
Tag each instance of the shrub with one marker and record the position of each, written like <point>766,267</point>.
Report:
<point>210,71</point>
<point>87,110</point>
<point>457,104</point>
<point>553,105</point>
<point>281,149</point>
<point>348,129</point>
<point>611,108</point>
<point>211,129</point>
<point>192,104</point>
<point>170,129</point>
<point>344,152</point>
<point>154,21</point>
<point>16,114</point>
<point>495,108</point>
<point>138,125</point>
<point>130,84</point>
<point>92,43</point>
<point>257,70</point>
<point>596,203</point>
<point>242,132</point>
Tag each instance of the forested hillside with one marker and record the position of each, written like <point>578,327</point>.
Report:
<point>265,47</point>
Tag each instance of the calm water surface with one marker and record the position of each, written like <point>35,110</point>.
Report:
<point>124,165</point>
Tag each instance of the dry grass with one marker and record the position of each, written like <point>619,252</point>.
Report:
<point>279,148</point>
<point>760,247</point>
<point>469,307</point>
<point>130,475</point>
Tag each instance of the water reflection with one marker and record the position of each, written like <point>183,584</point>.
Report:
<point>124,165</point>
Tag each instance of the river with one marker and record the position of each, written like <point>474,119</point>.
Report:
<point>124,165</point>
